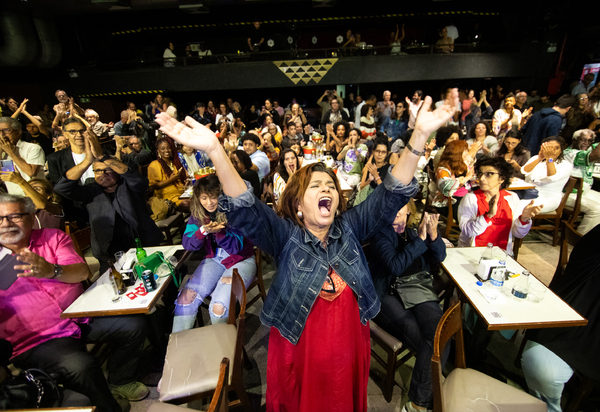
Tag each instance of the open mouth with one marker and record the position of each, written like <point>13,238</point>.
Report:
<point>325,205</point>
<point>292,167</point>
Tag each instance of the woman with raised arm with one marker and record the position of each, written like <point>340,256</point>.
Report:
<point>322,295</point>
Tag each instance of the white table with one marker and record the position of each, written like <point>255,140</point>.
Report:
<point>97,299</point>
<point>520,184</point>
<point>510,312</point>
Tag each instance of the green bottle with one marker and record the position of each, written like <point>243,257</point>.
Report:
<point>140,253</point>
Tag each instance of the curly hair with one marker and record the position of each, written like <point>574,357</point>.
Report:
<point>505,170</point>
<point>342,123</point>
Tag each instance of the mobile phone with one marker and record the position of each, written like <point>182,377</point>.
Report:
<point>7,166</point>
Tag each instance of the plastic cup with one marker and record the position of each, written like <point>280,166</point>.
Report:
<point>118,256</point>
<point>537,291</point>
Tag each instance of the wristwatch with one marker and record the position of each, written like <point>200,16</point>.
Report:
<point>58,271</point>
<point>550,160</point>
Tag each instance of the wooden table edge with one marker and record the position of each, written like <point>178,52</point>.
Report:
<point>117,312</point>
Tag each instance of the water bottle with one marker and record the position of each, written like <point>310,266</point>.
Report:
<point>521,288</point>
<point>488,253</point>
<point>493,286</point>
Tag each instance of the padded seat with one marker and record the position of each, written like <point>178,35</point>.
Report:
<point>387,339</point>
<point>173,221</point>
<point>188,371</point>
<point>470,390</point>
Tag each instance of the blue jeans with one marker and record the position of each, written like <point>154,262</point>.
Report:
<point>545,373</point>
<point>210,278</point>
<point>415,327</point>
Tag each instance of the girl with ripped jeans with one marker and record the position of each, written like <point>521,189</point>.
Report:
<point>226,249</point>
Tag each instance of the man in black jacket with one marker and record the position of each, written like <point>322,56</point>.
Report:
<point>116,205</point>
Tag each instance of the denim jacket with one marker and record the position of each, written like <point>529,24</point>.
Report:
<point>303,262</point>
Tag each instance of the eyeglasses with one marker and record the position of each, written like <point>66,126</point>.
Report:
<point>586,140</point>
<point>380,151</point>
<point>583,98</point>
<point>7,131</point>
<point>101,171</point>
<point>75,131</point>
<point>13,217</point>
<point>486,174</point>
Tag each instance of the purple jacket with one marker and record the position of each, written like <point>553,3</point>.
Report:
<point>228,239</point>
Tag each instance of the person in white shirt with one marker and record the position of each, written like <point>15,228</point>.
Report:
<point>372,100</point>
<point>413,107</point>
<point>584,86</point>
<point>223,115</point>
<point>28,158</point>
<point>169,56</point>
<point>260,161</point>
<point>452,32</point>
<point>549,172</point>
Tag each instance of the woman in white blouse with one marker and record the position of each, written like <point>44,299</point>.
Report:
<point>549,172</point>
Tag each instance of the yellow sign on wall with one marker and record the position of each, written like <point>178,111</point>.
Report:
<point>305,70</point>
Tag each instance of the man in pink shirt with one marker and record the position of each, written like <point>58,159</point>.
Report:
<point>50,279</point>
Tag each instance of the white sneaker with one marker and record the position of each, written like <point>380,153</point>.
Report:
<point>409,408</point>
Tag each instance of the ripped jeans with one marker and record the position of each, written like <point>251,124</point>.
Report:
<point>210,278</point>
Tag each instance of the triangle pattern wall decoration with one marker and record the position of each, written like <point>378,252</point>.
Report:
<point>305,70</point>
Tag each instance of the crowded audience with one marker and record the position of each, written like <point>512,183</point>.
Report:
<point>66,168</point>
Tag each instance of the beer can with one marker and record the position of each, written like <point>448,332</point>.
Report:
<point>149,281</point>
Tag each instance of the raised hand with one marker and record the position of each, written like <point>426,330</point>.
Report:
<point>530,211</point>
<point>432,224</point>
<point>193,135</point>
<point>12,177</point>
<point>422,230</point>
<point>35,265</point>
<point>493,205</point>
<point>428,122</point>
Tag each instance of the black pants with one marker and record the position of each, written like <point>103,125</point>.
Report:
<point>80,371</point>
<point>415,327</point>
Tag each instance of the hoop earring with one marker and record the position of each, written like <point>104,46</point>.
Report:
<point>299,214</point>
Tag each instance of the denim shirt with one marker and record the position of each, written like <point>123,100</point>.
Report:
<point>303,262</point>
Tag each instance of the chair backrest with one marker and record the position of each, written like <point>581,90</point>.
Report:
<point>568,236</point>
<point>577,208</point>
<point>220,401</point>
<point>568,190</point>
<point>238,294</point>
<point>450,325</point>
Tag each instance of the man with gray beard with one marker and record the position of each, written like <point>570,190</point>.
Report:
<point>49,280</point>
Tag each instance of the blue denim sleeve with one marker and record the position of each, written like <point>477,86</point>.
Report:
<point>257,221</point>
<point>380,208</point>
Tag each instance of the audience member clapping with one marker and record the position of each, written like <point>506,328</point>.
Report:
<point>397,253</point>
<point>353,155</point>
<point>130,151</point>
<point>167,175</point>
<point>481,133</point>
<point>507,118</point>
<point>514,152</point>
<point>36,132</point>
<point>337,136</point>
<point>549,172</point>
<point>492,214</point>
<point>100,129</point>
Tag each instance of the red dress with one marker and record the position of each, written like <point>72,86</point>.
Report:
<point>328,370</point>
<point>498,232</point>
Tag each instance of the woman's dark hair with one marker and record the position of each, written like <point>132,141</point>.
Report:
<point>342,123</point>
<point>281,166</point>
<point>244,158</point>
<point>270,101</point>
<point>226,107</point>
<point>519,150</point>
<point>365,109</point>
<point>404,116</point>
<point>200,104</point>
<point>296,187</point>
<point>176,161</point>
<point>505,170</point>
<point>488,130</point>
<point>210,186</point>
<point>444,133</point>
<point>561,142</point>
<point>381,139</point>
<point>253,137</point>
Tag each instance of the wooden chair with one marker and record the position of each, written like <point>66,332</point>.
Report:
<point>219,401</point>
<point>81,238</point>
<point>466,389</point>
<point>554,217</point>
<point>571,214</point>
<point>191,371</point>
<point>394,348</point>
<point>517,243</point>
<point>258,280</point>
<point>568,236</point>
<point>173,221</point>
<point>450,222</point>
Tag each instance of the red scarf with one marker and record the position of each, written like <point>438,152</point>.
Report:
<point>498,232</point>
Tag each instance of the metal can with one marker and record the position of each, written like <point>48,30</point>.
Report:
<point>149,281</point>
